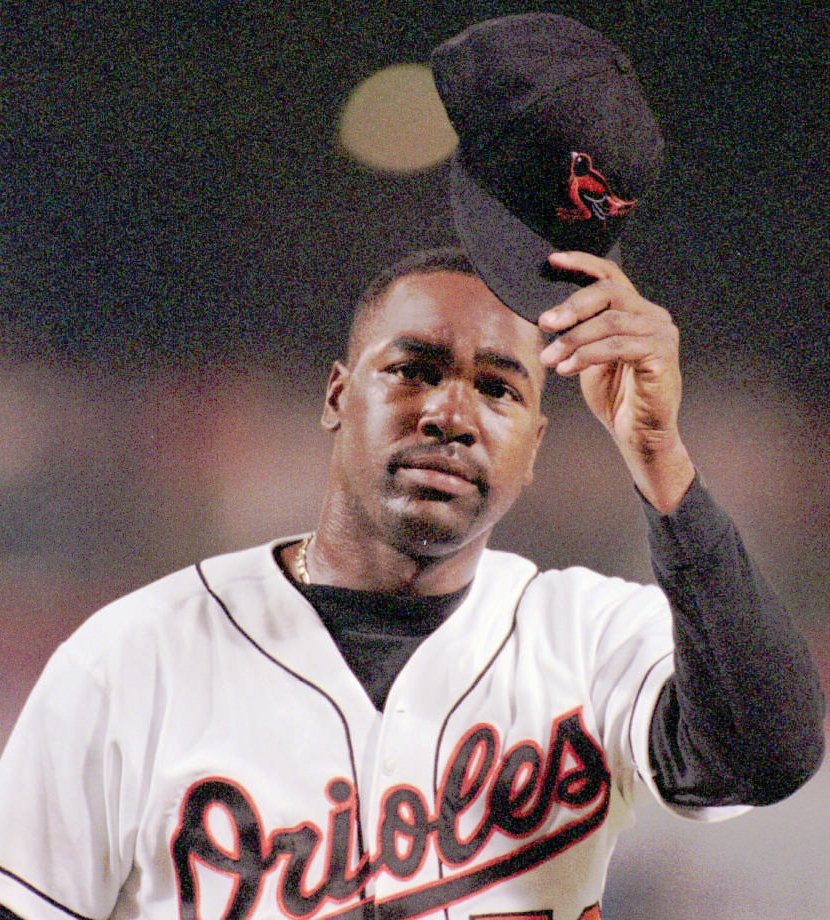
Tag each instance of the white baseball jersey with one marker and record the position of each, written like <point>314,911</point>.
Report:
<point>200,749</point>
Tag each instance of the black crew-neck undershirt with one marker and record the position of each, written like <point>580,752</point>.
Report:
<point>376,632</point>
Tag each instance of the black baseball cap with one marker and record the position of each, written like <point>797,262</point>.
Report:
<point>557,146</point>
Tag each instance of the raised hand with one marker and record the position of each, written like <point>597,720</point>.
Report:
<point>626,351</point>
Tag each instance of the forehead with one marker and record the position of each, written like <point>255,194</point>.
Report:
<point>453,310</point>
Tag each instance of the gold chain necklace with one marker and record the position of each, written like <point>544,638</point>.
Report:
<point>300,562</point>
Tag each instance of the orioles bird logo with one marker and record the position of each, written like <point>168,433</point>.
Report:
<point>590,193</point>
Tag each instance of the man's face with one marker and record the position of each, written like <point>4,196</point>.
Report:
<point>438,416</point>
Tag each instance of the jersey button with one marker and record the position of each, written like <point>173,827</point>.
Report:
<point>389,764</point>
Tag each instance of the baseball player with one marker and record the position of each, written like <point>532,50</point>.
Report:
<point>383,716</point>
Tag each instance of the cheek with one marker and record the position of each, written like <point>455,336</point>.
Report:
<point>375,421</point>
<point>515,449</point>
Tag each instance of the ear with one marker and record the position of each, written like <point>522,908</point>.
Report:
<point>540,433</point>
<point>336,384</point>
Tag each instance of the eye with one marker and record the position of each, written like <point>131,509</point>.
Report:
<point>496,388</point>
<point>416,372</point>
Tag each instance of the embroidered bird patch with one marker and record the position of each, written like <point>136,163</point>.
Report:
<point>590,193</point>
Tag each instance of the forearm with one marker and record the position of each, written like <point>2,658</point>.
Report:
<point>742,718</point>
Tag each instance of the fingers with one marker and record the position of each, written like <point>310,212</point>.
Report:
<point>609,281</point>
<point>612,336</point>
<point>604,322</point>
<point>593,266</point>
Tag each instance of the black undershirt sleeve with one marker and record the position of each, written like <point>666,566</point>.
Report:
<point>740,721</point>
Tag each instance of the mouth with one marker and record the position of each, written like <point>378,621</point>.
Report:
<point>443,476</point>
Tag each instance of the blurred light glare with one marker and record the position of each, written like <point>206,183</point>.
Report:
<point>394,121</point>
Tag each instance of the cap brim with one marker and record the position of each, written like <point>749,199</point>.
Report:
<point>511,259</point>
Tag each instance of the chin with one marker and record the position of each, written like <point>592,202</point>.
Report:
<point>430,531</point>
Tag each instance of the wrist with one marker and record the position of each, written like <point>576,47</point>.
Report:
<point>662,473</point>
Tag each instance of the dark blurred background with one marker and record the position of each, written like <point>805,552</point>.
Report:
<point>182,234</point>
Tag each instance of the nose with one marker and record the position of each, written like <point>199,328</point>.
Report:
<point>449,414</point>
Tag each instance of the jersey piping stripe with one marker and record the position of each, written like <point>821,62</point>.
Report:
<point>302,680</point>
<point>40,894</point>
<point>467,692</point>
<point>477,680</point>
<point>639,693</point>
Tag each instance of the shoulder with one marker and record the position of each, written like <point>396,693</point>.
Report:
<point>171,612</point>
<point>576,584</point>
<point>575,598</point>
<point>588,588</point>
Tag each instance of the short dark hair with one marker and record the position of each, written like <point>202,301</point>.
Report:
<point>423,262</point>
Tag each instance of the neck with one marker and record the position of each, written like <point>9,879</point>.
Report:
<point>346,555</point>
